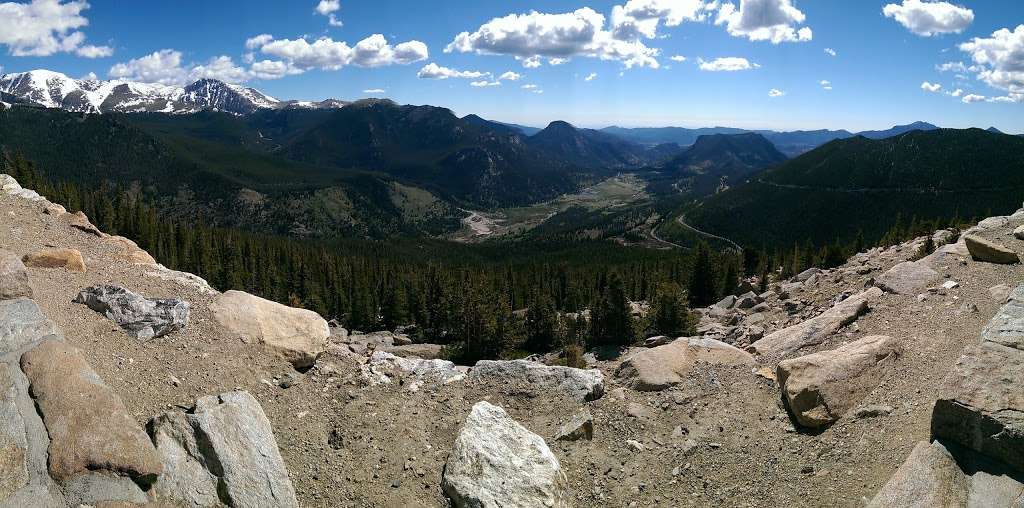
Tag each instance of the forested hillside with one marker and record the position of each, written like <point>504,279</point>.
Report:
<point>863,186</point>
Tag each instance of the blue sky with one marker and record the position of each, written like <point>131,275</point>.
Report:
<point>884,71</point>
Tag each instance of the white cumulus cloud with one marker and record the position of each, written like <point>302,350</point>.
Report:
<point>327,54</point>
<point>163,66</point>
<point>485,83</point>
<point>677,58</point>
<point>972,98</point>
<point>328,8</point>
<point>927,18</point>
<point>556,37</point>
<point>830,52</point>
<point>931,87</point>
<point>45,27</point>
<point>999,59</point>
<point>641,18</point>
<point>434,71</point>
<point>511,76</point>
<point>375,91</point>
<point>825,84</point>
<point>764,20</point>
<point>590,77</point>
<point>726,64</point>
<point>775,92</point>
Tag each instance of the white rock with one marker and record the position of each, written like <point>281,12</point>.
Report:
<point>298,335</point>
<point>383,366</point>
<point>496,462</point>
<point>578,383</point>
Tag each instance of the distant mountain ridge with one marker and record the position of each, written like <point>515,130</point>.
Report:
<point>55,90</point>
<point>791,143</point>
<point>716,162</point>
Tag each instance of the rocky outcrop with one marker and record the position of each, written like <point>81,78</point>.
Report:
<point>579,384</point>
<point>298,335</point>
<point>665,366</point>
<point>222,451</point>
<point>496,462</point>
<point>989,251</point>
<point>130,251</point>
<point>907,278</point>
<point>69,259</point>
<point>185,279</point>
<point>13,277</point>
<point>143,318</point>
<point>425,351</point>
<point>821,387</point>
<point>89,427</point>
<point>816,330</point>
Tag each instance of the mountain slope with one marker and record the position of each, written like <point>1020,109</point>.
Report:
<point>587,147</point>
<point>859,184</point>
<point>716,162</point>
<point>897,130</point>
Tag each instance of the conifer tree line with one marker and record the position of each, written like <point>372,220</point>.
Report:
<point>480,301</point>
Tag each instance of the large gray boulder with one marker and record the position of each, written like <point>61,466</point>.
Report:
<point>13,277</point>
<point>222,451</point>
<point>22,324</point>
<point>816,330</point>
<point>907,278</point>
<point>989,251</point>
<point>577,383</point>
<point>665,366</point>
<point>143,318</point>
<point>496,462</point>
<point>821,387</point>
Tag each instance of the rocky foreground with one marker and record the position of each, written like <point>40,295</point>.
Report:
<point>890,381</point>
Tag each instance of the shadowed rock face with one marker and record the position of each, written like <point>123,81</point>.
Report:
<point>989,251</point>
<point>982,404</point>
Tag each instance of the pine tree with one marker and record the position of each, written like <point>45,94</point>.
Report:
<point>703,290</point>
<point>541,325</point>
<point>611,323</point>
<point>669,313</point>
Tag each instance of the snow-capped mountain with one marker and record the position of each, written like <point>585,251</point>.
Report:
<point>55,90</point>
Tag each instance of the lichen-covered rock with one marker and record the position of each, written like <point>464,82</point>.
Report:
<point>496,462</point>
<point>13,277</point>
<point>223,451</point>
<point>665,366</point>
<point>69,259</point>
<point>142,317</point>
<point>298,335</point>
<point>90,429</point>
<point>821,387</point>
<point>579,384</point>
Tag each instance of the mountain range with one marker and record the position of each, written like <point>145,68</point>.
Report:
<point>55,90</point>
